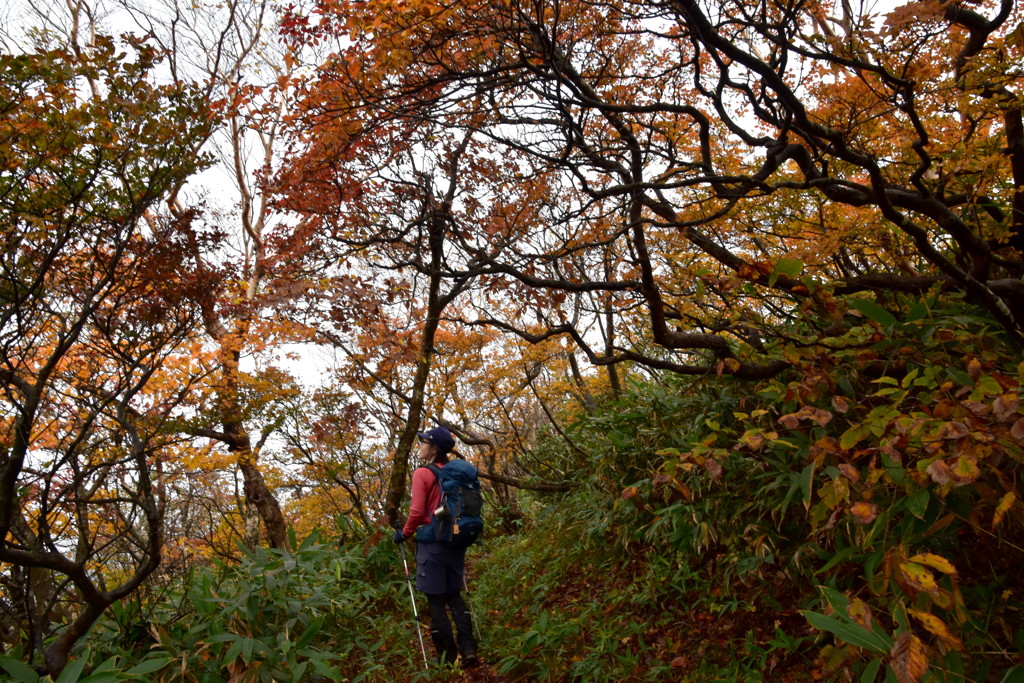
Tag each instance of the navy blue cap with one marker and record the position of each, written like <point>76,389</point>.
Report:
<point>440,437</point>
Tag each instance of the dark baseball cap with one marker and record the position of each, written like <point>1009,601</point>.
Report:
<point>440,437</point>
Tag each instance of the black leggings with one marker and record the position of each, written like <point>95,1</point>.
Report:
<point>441,628</point>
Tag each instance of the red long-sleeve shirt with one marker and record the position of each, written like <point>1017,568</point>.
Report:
<point>426,496</point>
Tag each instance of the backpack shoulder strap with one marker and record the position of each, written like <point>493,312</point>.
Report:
<point>437,474</point>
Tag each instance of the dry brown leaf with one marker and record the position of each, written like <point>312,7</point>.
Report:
<point>908,658</point>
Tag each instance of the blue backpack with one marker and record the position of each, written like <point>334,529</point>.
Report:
<point>457,519</point>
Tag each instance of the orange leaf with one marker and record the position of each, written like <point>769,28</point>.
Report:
<point>908,658</point>
<point>974,369</point>
<point>747,272</point>
<point>864,513</point>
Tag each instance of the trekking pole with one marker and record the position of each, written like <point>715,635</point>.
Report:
<point>469,606</point>
<point>415,612</point>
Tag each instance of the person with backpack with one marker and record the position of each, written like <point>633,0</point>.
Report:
<point>444,519</point>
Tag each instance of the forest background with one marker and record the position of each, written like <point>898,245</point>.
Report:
<point>724,299</point>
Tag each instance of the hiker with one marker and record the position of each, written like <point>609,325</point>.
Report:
<point>440,566</point>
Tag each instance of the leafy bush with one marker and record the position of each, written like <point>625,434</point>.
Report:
<point>883,470</point>
<point>865,502</point>
<point>322,612</point>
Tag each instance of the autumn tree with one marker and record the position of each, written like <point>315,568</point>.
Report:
<point>89,144</point>
<point>269,272</point>
<point>396,230</point>
<point>720,160</point>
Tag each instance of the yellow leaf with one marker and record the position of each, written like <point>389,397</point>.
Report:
<point>966,469</point>
<point>919,577</point>
<point>1004,506</point>
<point>860,613</point>
<point>908,658</point>
<point>936,562</point>
<point>938,628</point>
<point>753,438</point>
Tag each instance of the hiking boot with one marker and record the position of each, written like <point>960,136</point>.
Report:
<point>470,660</point>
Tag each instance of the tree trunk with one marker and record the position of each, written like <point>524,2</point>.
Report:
<point>435,304</point>
<point>257,493</point>
<point>259,496</point>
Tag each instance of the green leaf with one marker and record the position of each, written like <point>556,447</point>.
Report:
<point>920,311</point>
<point>806,483</point>
<point>102,677</point>
<point>873,312</point>
<point>234,652</point>
<point>840,556</point>
<point>20,670</point>
<point>106,672</point>
<point>917,502</point>
<point>836,600</point>
<point>149,665</point>
<point>790,267</point>
<point>73,671</point>
<point>109,664</point>
<point>1014,675</point>
<point>959,376</point>
<point>299,672</point>
<point>852,436</point>
<point>895,470</point>
<point>325,669</point>
<point>850,632</point>
<point>871,671</point>
<point>247,648</point>
<point>310,633</point>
